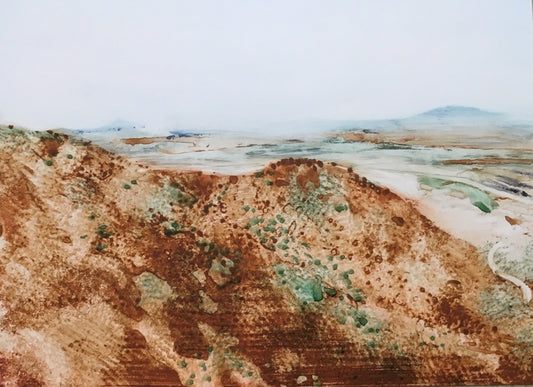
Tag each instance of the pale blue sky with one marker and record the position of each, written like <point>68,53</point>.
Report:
<point>220,64</point>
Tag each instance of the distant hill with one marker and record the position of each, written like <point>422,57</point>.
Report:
<point>117,129</point>
<point>451,117</point>
<point>115,126</point>
<point>454,111</point>
<point>444,117</point>
<point>454,116</point>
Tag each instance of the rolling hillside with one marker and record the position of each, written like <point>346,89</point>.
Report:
<point>303,273</point>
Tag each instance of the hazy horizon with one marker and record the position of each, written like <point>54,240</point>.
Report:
<point>210,64</point>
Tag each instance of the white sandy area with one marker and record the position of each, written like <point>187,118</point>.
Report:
<point>458,216</point>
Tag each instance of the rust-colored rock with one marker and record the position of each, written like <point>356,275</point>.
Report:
<point>512,221</point>
<point>281,183</point>
<point>398,220</point>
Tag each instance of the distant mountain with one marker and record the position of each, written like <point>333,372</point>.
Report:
<point>451,117</point>
<point>454,117</point>
<point>115,126</point>
<point>124,129</point>
<point>457,111</point>
<point>119,125</point>
<point>444,117</point>
<point>116,129</point>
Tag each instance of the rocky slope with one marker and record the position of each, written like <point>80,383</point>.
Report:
<point>113,273</point>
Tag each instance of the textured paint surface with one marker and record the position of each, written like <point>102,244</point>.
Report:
<point>301,273</point>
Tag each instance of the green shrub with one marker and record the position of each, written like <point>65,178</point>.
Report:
<point>341,207</point>
<point>174,228</point>
<point>100,247</point>
<point>170,231</point>
<point>102,233</point>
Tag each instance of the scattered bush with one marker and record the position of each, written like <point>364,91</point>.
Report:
<point>102,233</point>
<point>174,228</point>
<point>341,207</point>
<point>100,247</point>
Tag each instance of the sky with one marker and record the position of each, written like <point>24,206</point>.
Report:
<point>245,64</point>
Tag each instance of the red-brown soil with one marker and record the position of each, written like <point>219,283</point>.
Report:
<point>113,273</point>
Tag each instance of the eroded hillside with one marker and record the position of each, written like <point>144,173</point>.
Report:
<point>302,273</point>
